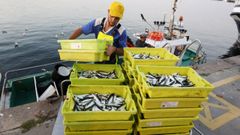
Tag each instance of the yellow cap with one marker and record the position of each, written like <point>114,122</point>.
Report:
<point>116,9</point>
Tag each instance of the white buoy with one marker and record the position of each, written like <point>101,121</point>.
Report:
<point>64,71</point>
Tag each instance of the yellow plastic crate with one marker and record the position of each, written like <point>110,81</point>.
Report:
<point>103,132</point>
<point>201,89</point>
<point>131,72</point>
<point>177,130</point>
<point>75,80</point>
<point>157,103</point>
<point>164,122</point>
<point>178,134</point>
<point>174,134</point>
<point>167,59</point>
<point>168,113</point>
<point>72,116</point>
<point>83,55</point>
<point>85,44</point>
<point>99,125</point>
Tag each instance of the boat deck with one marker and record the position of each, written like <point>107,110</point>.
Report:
<point>219,117</point>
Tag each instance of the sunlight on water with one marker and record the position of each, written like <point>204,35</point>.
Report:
<point>30,29</point>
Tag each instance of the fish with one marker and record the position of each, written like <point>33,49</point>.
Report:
<point>99,102</point>
<point>172,80</point>
<point>145,56</point>
<point>97,74</point>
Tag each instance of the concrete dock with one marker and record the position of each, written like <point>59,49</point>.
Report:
<point>221,113</point>
<point>219,117</point>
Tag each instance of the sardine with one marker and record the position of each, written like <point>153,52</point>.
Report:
<point>145,56</point>
<point>173,80</point>
<point>98,102</point>
<point>97,74</point>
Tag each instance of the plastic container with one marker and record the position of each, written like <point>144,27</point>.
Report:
<point>164,122</point>
<point>85,44</point>
<point>201,89</point>
<point>83,55</point>
<point>157,36</point>
<point>157,103</point>
<point>72,116</point>
<point>131,72</point>
<point>168,113</point>
<point>75,80</point>
<point>100,132</point>
<point>178,130</point>
<point>99,125</point>
<point>166,58</point>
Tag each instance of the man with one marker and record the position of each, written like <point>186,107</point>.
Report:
<point>110,26</point>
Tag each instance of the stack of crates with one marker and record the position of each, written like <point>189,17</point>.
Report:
<point>129,65</point>
<point>85,50</point>
<point>98,122</point>
<point>164,110</point>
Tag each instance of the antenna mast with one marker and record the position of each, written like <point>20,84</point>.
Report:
<point>171,24</point>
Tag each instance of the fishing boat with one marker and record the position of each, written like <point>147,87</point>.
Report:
<point>172,35</point>
<point>234,50</point>
<point>232,1</point>
<point>32,84</point>
<point>235,14</point>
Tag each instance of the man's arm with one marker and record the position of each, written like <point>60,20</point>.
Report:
<point>85,29</point>
<point>76,33</point>
<point>111,49</point>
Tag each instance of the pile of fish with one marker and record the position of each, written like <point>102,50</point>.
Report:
<point>174,80</point>
<point>99,102</point>
<point>97,74</point>
<point>145,56</point>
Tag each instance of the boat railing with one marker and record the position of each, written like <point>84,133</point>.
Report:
<point>27,70</point>
<point>62,85</point>
<point>195,46</point>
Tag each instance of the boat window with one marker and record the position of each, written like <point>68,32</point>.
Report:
<point>237,2</point>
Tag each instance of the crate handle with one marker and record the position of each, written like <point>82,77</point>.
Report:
<point>133,107</point>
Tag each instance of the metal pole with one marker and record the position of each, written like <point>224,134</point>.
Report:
<point>64,81</point>
<point>198,131</point>
<point>172,20</point>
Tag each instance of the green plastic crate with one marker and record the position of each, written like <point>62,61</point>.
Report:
<point>201,89</point>
<point>71,116</point>
<point>164,122</point>
<point>167,59</point>
<point>83,55</point>
<point>157,103</point>
<point>175,130</point>
<point>75,80</point>
<point>168,113</point>
<point>100,132</point>
<point>99,125</point>
<point>131,72</point>
<point>85,44</point>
